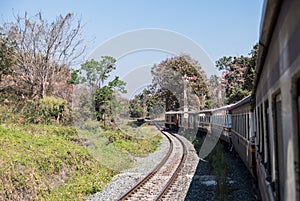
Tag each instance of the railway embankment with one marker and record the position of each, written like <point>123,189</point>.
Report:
<point>52,162</point>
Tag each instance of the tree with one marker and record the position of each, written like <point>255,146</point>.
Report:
<point>93,74</point>
<point>135,108</point>
<point>98,72</point>
<point>238,75</point>
<point>148,103</point>
<point>44,52</point>
<point>7,55</point>
<point>168,79</point>
<point>216,92</point>
<point>105,99</point>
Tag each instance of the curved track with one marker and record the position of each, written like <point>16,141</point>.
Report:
<point>155,185</point>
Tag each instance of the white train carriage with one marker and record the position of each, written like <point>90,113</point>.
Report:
<point>204,121</point>
<point>277,100</point>
<point>221,122</point>
<point>242,132</point>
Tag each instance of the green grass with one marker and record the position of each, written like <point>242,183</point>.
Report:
<point>47,167</point>
<point>114,148</point>
<point>220,170</point>
<point>138,140</point>
<point>51,162</point>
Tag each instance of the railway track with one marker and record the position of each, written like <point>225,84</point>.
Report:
<point>155,185</point>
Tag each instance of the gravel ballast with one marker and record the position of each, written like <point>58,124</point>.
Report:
<point>195,183</point>
<point>128,178</point>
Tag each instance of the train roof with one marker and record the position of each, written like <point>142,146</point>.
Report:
<point>206,111</point>
<point>173,112</point>
<point>181,112</point>
<point>271,10</point>
<point>245,100</point>
<point>226,107</point>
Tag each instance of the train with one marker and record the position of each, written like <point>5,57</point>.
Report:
<point>264,128</point>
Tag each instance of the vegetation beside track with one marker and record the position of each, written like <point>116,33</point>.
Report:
<point>137,139</point>
<point>41,163</point>
<point>50,162</point>
<point>218,168</point>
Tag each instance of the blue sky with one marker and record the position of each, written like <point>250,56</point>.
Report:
<point>220,28</point>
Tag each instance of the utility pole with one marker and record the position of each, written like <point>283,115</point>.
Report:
<point>185,102</point>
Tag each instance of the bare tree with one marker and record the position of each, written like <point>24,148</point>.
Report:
<point>45,51</point>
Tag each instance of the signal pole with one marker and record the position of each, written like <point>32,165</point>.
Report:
<point>185,102</point>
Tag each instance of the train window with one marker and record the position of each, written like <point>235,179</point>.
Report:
<point>268,148</point>
<point>262,133</point>
<point>278,144</point>
<point>248,127</point>
<point>237,123</point>
<point>258,128</point>
<point>172,118</point>
<point>245,125</point>
<point>180,120</point>
<point>240,123</point>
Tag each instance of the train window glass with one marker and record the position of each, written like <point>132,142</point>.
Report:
<point>262,133</point>
<point>268,148</point>
<point>258,128</point>
<point>235,122</point>
<point>232,119</point>
<point>242,124</point>
<point>238,123</point>
<point>278,144</point>
<point>248,126</point>
<point>245,125</point>
<point>180,120</point>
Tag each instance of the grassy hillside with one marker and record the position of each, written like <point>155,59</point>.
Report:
<point>48,162</point>
<point>40,163</point>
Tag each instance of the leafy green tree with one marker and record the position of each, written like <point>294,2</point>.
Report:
<point>105,100</point>
<point>168,80</point>
<point>98,71</point>
<point>238,74</point>
<point>135,108</point>
<point>146,104</point>
<point>93,74</point>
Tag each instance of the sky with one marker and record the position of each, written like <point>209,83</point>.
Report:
<point>219,28</point>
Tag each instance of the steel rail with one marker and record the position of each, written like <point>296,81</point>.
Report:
<point>131,191</point>
<point>176,173</point>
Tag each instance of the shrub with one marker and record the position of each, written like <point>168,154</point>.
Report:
<point>51,107</point>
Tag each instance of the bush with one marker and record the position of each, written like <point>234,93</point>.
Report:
<point>51,108</point>
<point>48,110</point>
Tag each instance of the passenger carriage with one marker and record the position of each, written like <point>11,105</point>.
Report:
<point>242,132</point>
